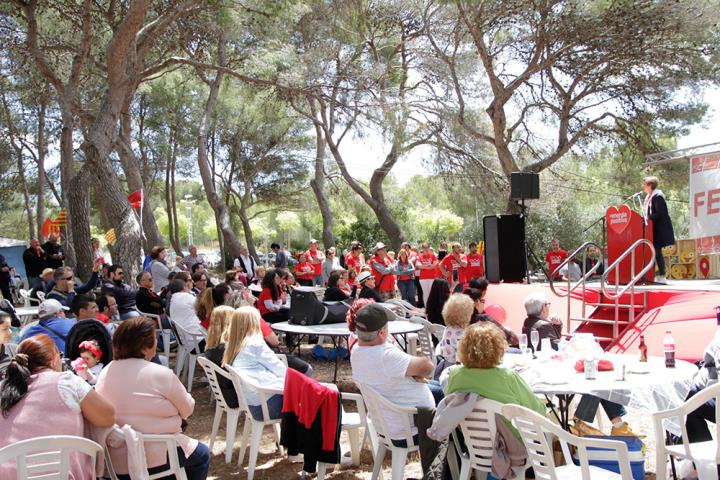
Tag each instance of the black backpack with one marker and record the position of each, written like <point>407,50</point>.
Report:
<point>307,309</point>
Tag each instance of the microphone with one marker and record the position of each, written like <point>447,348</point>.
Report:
<point>633,196</point>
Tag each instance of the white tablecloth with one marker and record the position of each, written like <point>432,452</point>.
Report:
<point>396,327</point>
<point>659,389</point>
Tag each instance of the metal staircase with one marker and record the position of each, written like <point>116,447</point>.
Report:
<point>615,309</point>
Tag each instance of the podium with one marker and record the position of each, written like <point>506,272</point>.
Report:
<point>624,227</point>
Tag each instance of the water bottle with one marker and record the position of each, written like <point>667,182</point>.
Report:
<point>669,348</point>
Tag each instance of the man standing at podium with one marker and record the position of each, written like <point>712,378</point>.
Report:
<point>655,209</point>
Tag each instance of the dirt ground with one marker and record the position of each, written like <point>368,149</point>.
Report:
<point>271,465</point>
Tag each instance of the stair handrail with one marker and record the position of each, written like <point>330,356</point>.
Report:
<point>581,249</point>
<point>633,281</point>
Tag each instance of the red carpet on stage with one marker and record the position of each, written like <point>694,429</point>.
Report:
<point>689,314</point>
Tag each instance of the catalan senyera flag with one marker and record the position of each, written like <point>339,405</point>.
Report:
<point>61,219</point>
<point>481,247</point>
<point>110,236</point>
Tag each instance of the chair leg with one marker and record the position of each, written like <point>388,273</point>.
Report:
<point>215,425</point>
<point>399,458</point>
<point>232,421</point>
<point>255,439</point>
<point>379,456</point>
<point>465,468</point>
<point>276,429</point>
<point>166,345</point>
<point>354,437</point>
<point>247,427</point>
<point>179,360</point>
<point>192,360</point>
<point>321,470</point>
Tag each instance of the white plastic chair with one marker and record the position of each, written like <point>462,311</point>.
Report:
<point>41,295</point>
<point>48,458</point>
<point>379,434</point>
<point>533,429</point>
<point>213,373</point>
<point>253,429</point>
<point>423,343</point>
<point>174,467</point>
<point>187,344</point>
<point>27,299</point>
<point>407,308</point>
<point>165,333</point>
<point>478,430</point>
<point>705,455</point>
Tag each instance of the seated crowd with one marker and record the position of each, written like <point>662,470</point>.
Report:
<point>119,378</point>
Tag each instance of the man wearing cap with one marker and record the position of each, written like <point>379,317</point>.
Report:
<point>367,287</point>
<point>315,257</point>
<point>45,285</point>
<point>34,260</point>
<point>382,269</point>
<point>64,290</point>
<point>52,323</point>
<point>394,374</point>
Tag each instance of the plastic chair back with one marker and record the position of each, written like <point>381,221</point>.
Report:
<point>48,458</point>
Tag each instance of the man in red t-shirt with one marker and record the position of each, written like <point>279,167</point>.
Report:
<point>354,262</point>
<point>453,267</point>
<point>426,263</point>
<point>316,258</point>
<point>555,257</point>
<point>475,264</point>
<point>383,271</point>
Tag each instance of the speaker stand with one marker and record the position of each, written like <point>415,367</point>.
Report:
<point>529,251</point>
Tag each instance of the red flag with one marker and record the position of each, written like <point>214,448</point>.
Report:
<point>136,199</point>
<point>49,227</point>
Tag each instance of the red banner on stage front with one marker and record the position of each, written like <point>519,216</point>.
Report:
<point>624,227</point>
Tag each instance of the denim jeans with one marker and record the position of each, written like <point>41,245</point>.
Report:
<point>129,314</point>
<point>196,465</point>
<point>587,408</point>
<point>407,290</point>
<point>436,390</point>
<point>660,261</point>
<point>274,404</point>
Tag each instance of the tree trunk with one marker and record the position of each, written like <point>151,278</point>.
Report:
<point>42,149</point>
<point>249,239</point>
<point>66,175</point>
<point>177,245</point>
<point>222,213</point>
<point>79,205</point>
<point>318,186</point>
<point>133,176</point>
<point>169,195</point>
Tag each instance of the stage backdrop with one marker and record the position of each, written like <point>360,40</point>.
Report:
<point>705,202</point>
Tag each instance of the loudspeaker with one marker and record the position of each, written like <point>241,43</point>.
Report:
<point>524,185</point>
<point>504,248</point>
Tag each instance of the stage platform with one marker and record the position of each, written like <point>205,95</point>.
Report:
<point>685,307</point>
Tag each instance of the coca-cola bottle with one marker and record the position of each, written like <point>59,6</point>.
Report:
<point>669,348</point>
<point>643,349</point>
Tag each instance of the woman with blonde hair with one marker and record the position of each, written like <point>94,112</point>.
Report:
<point>457,313</point>
<point>220,319</point>
<point>204,306</point>
<point>248,353</point>
<point>480,351</point>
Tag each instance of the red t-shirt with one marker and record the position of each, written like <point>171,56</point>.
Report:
<point>305,271</point>
<point>353,263</point>
<point>265,328</point>
<point>554,259</point>
<point>450,264</point>
<point>429,259</point>
<point>475,266</point>
<point>317,266</point>
<point>264,295</point>
<point>388,280</point>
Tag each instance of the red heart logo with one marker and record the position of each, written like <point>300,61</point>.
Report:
<point>618,219</point>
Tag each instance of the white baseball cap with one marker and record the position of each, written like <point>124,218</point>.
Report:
<point>50,307</point>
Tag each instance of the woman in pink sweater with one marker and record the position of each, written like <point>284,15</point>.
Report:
<point>35,386</point>
<point>149,398</point>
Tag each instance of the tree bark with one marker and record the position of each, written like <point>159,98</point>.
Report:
<point>245,221</point>
<point>133,176</point>
<point>79,204</point>
<point>42,151</point>
<point>169,207</point>
<point>222,213</point>
<point>318,186</point>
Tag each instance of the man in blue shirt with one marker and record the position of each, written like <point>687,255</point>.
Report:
<point>52,323</point>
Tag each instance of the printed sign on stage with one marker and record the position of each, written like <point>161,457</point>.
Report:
<point>705,202</point>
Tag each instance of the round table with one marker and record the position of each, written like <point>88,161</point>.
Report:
<point>338,331</point>
<point>657,390</point>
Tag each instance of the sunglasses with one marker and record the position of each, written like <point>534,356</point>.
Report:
<point>68,278</point>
